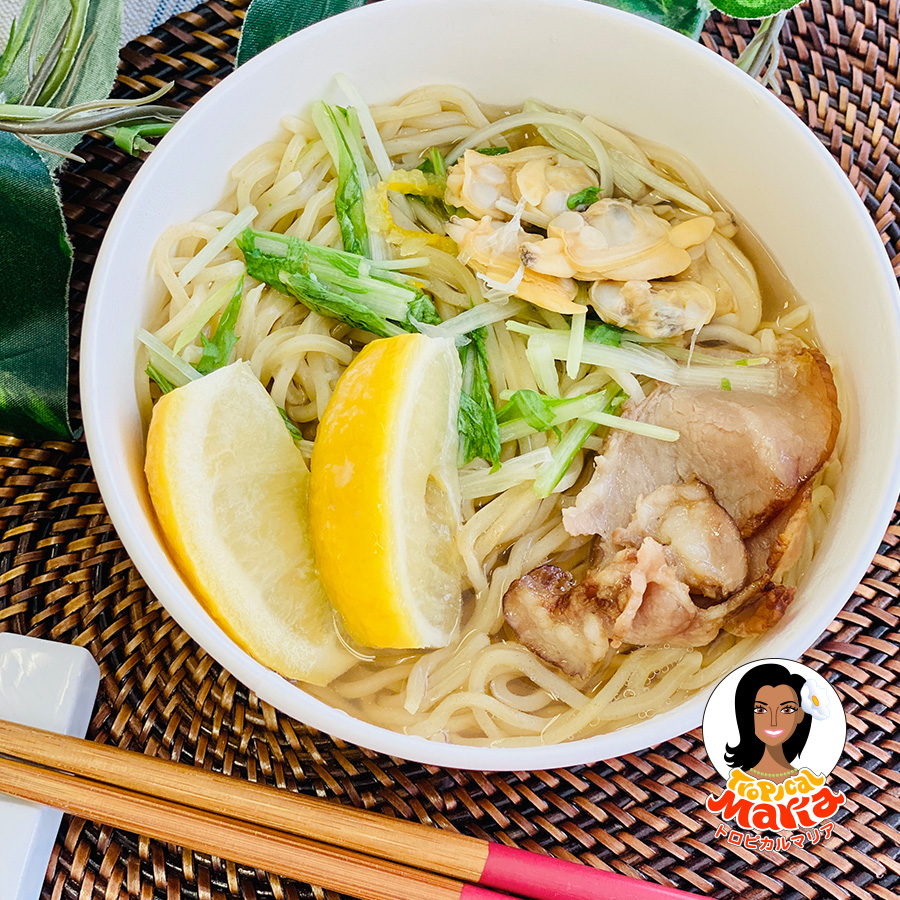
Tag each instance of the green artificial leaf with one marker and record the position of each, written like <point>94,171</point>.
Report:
<point>217,349</point>
<point>89,65</point>
<point>131,141</point>
<point>18,31</point>
<point>35,264</point>
<point>133,138</point>
<point>753,9</point>
<point>686,16</point>
<point>269,21</point>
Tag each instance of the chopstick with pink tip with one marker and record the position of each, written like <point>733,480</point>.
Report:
<point>356,852</point>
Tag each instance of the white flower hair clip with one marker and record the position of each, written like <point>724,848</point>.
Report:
<point>814,698</point>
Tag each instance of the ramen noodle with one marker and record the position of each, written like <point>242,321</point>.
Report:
<point>486,687</point>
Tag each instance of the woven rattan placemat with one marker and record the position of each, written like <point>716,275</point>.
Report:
<point>65,576</point>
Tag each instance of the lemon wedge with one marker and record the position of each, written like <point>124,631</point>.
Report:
<point>230,492</point>
<point>384,493</point>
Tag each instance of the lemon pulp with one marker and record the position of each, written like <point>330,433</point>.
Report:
<point>384,493</point>
<point>230,491</point>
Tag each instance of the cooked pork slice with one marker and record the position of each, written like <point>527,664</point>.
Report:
<point>777,546</point>
<point>655,606</point>
<point>708,551</point>
<point>753,451</point>
<point>635,597</point>
<point>756,609</point>
<point>559,622</point>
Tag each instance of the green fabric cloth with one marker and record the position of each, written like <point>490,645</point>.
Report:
<point>268,21</point>
<point>35,264</point>
<point>686,16</point>
<point>35,255</point>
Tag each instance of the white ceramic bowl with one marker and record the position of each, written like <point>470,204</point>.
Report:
<point>755,153</point>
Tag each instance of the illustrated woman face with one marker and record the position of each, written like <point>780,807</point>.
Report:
<point>776,713</point>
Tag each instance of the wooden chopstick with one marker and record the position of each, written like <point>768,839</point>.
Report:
<point>333,868</point>
<point>454,855</point>
<point>355,835</point>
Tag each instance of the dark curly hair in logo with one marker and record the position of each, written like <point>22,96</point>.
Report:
<point>749,749</point>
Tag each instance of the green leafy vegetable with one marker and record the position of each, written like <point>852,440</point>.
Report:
<point>572,441</point>
<point>341,132</point>
<point>337,284</point>
<point>217,349</point>
<point>528,411</point>
<point>493,151</point>
<point>294,431</point>
<point>536,409</point>
<point>166,362</point>
<point>479,434</point>
<point>162,382</point>
<point>605,333</point>
<point>583,198</point>
<point>328,302</point>
<point>726,384</point>
<point>422,310</point>
<point>433,164</point>
<point>550,474</point>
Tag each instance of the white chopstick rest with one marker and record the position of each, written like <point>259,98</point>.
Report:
<point>51,686</point>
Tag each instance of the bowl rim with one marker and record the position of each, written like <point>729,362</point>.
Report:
<point>278,691</point>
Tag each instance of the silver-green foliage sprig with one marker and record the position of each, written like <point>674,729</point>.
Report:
<point>42,107</point>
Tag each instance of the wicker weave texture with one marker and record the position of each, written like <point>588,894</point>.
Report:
<point>65,576</point>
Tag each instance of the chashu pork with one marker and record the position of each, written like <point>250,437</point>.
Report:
<point>703,541</point>
<point>753,451</point>
<point>669,551</point>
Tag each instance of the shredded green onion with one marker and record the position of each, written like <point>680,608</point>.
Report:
<point>482,314</point>
<point>482,482</point>
<point>540,358</point>
<point>216,245</point>
<point>171,366</point>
